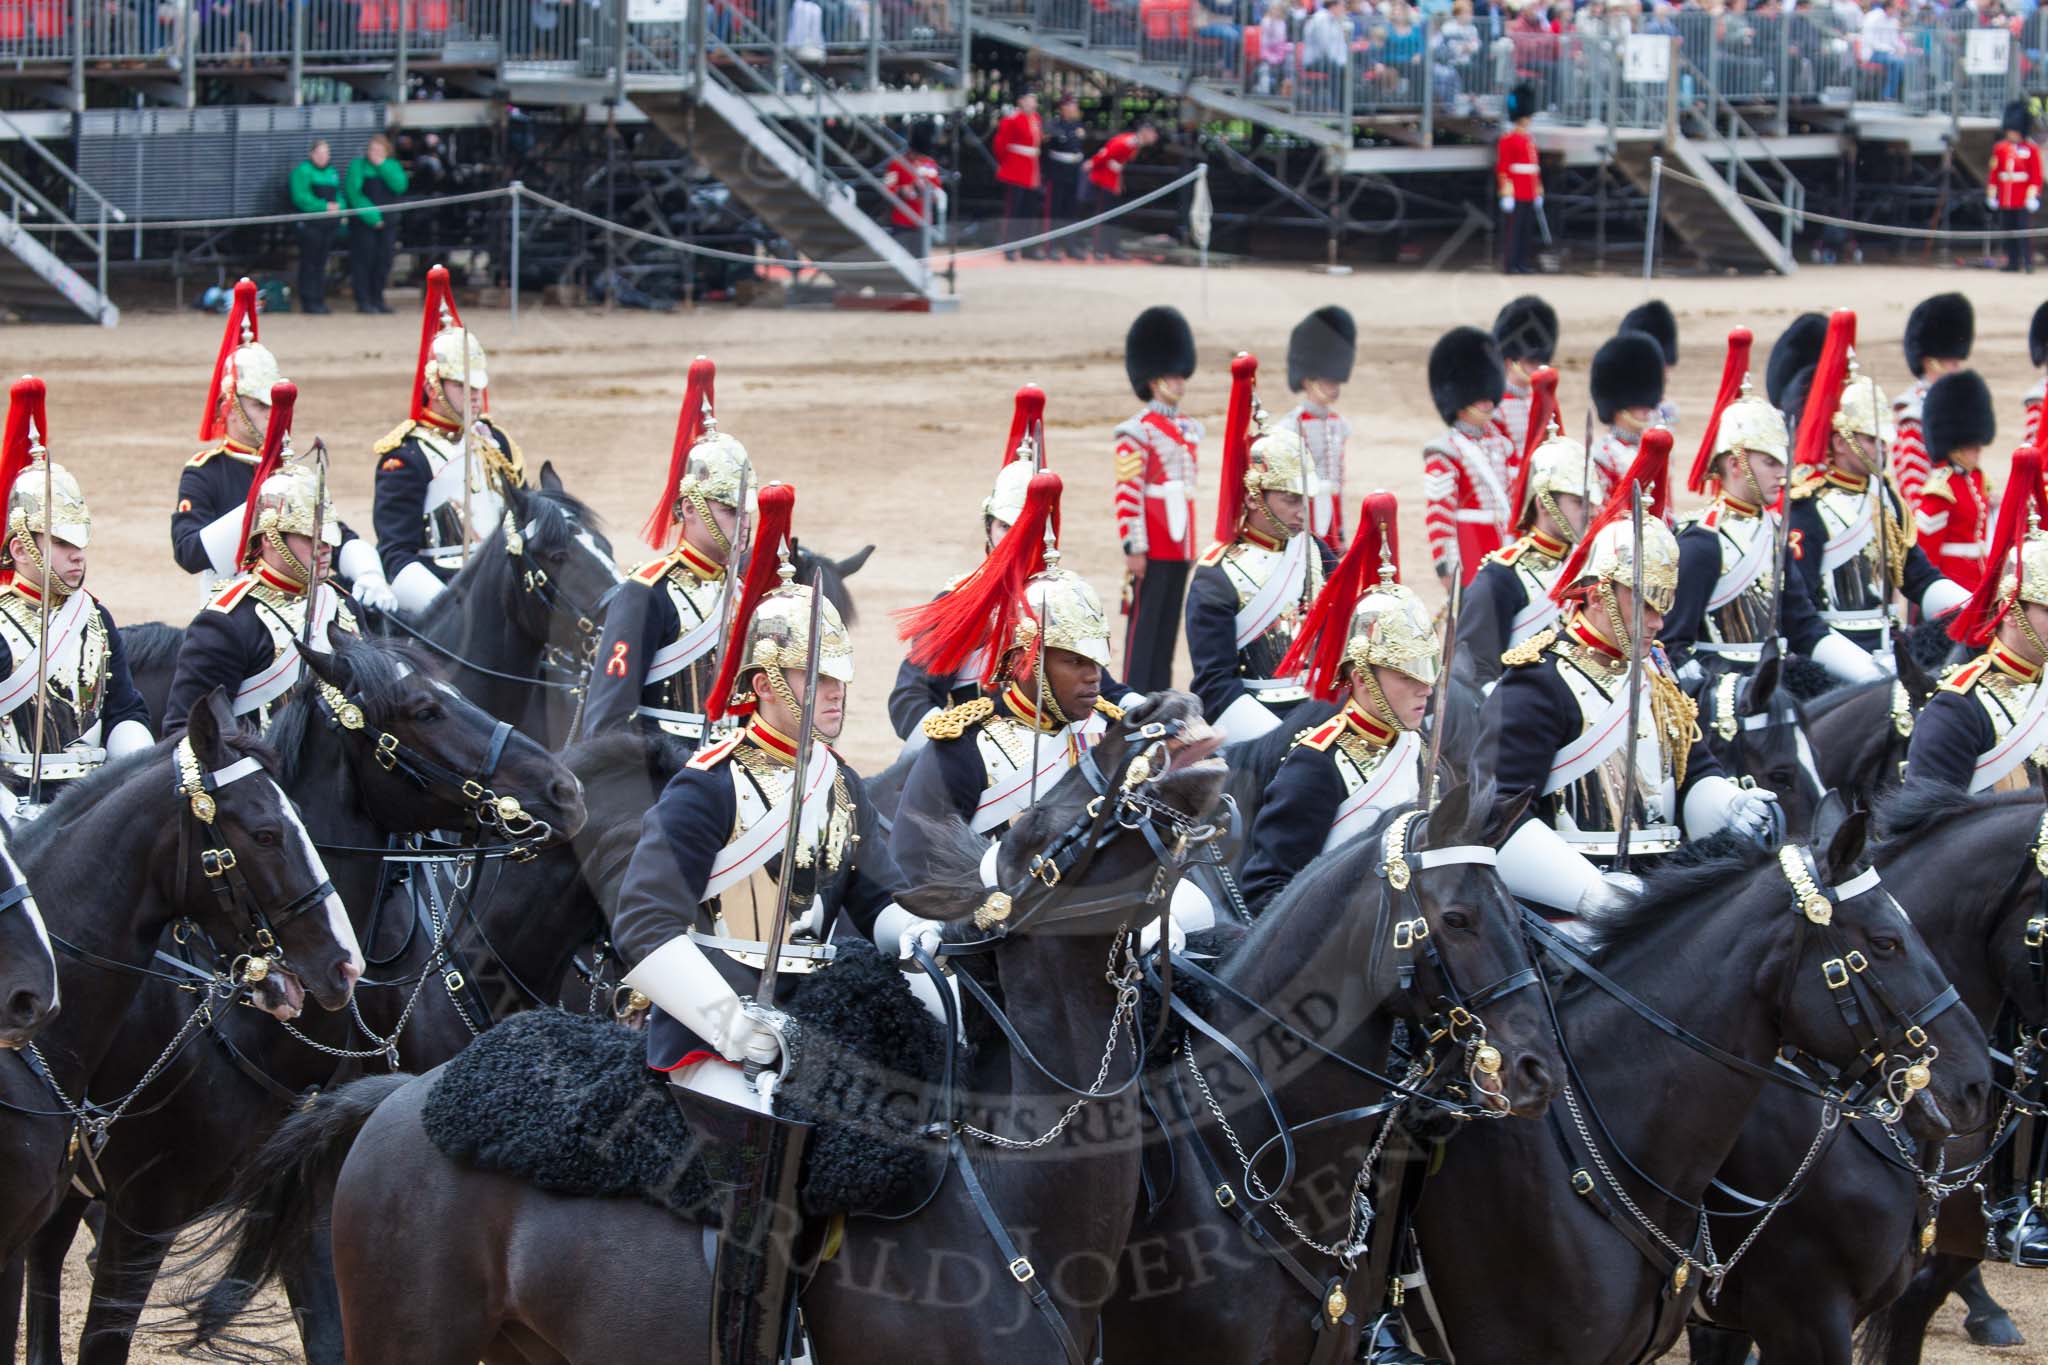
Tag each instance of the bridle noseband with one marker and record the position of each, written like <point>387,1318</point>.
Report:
<point>543,590</point>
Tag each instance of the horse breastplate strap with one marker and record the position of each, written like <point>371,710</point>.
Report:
<point>1589,807</point>
<point>76,684</point>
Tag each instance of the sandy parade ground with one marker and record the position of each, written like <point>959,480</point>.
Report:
<point>891,425</point>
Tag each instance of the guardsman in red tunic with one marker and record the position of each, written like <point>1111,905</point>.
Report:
<point>1465,474</point>
<point>1019,141</point>
<point>2014,185</point>
<point>1939,332</point>
<point>1525,331</point>
<point>1320,354</point>
<point>1954,515</point>
<point>1627,381</point>
<point>1106,178</point>
<point>915,187</point>
<point>1155,493</point>
<point>1518,176</point>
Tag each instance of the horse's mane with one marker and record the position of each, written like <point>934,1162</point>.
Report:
<point>1918,810</point>
<point>1325,878</point>
<point>376,673</point>
<point>1838,697</point>
<point>82,797</point>
<point>950,886</point>
<point>552,516</point>
<point>1710,871</point>
<point>150,644</point>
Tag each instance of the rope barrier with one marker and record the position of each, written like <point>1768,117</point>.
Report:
<point>1988,236</point>
<point>263,219</point>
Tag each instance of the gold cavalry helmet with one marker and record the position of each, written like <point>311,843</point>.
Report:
<point>1557,468</point>
<point>1069,612</point>
<point>1755,425</point>
<point>1611,559</point>
<point>1864,410</point>
<point>26,514</point>
<point>717,468</point>
<point>1391,628</point>
<point>1005,502</point>
<point>1280,463</point>
<point>779,633</point>
<point>286,506</point>
<point>251,371</point>
<point>445,359</point>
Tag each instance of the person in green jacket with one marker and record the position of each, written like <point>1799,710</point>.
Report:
<point>315,188</point>
<point>374,179</point>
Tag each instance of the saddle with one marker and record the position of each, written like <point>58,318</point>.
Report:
<point>567,1102</point>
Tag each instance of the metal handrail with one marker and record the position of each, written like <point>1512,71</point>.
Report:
<point>1792,196</point>
<point>70,175</point>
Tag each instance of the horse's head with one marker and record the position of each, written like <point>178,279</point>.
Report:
<point>427,758</point>
<point>1085,855</point>
<point>561,563</point>
<point>1454,922</point>
<point>1859,991</point>
<point>248,872</point>
<point>812,567</point>
<point>28,967</point>
<point>1755,728</point>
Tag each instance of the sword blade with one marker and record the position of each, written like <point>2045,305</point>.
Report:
<point>806,737</point>
<point>35,779</point>
<point>1636,659</point>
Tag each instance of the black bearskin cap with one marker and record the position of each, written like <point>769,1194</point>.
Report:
<point>1521,102</point>
<point>1792,400</point>
<point>1464,368</point>
<point>2037,336</point>
<point>1957,413</point>
<point>1525,329</point>
<point>1159,345</point>
<point>1797,348</point>
<point>1628,372</point>
<point>1942,326</point>
<point>1654,320</point>
<point>1323,345</point>
<point>2017,118</point>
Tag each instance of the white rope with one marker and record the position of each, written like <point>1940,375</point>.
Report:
<point>256,220</point>
<point>1881,229</point>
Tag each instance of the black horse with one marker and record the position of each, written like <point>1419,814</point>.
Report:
<point>428,1252</point>
<point>1590,1215</point>
<point>194,829</point>
<point>1327,961</point>
<point>1964,868</point>
<point>28,964</point>
<point>1860,732</point>
<point>1755,728</point>
<point>217,1101</point>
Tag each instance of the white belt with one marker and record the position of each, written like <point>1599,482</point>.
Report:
<point>1524,167</point>
<point>1273,689</point>
<point>794,957</point>
<point>687,724</point>
<point>1745,651</point>
<point>445,556</point>
<point>1477,514</point>
<point>1642,839</point>
<point>1162,492</point>
<point>1864,617</point>
<point>1971,547</point>
<point>1066,158</point>
<point>2013,175</point>
<point>61,766</point>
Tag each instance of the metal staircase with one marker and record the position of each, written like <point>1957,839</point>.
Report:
<point>34,280</point>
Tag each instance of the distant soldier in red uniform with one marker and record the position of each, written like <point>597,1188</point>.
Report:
<point>2014,185</point>
<point>1155,494</point>
<point>1525,330</point>
<point>912,182</point>
<point>1465,471</point>
<point>1019,139</point>
<point>1320,354</point>
<point>1519,177</point>
<point>1953,517</point>
<point>1939,333</point>
<point>1106,178</point>
<point>1627,380</point>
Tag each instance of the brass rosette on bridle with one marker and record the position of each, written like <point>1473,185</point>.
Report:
<point>1391,628</point>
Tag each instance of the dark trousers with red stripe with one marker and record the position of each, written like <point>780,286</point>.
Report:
<point>1153,629</point>
<point>1023,215</point>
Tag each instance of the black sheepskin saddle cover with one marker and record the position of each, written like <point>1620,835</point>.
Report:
<point>567,1102</point>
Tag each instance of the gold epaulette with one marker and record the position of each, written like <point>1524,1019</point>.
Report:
<point>954,721</point>
<point>651,572</point>
<point>1936,484</point>
<point>1963,677</point>
<point>1214,554</point>
<point>1507,554</point>
<point>704,760</point>
<point>1108,710</point>
<point>1806,482</point>
<point>1320,737</point>
<point>203,456</point>
<point>1530,650</point>
<point>227,598</point>
<point>513,454</point>
<point>395,439</point>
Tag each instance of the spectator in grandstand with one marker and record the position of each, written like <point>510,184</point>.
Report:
<point>805,39</point>
<point>1882,44</point>
<point>374,180</point>
<point>1457,43</point>
<point>1326,41</point>
<point>315,188</point>
<point>1276,49</point>
<point>1106,178</point>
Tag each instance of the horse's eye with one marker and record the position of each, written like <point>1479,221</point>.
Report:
<point>1886,943</point>
<point>267,837</point>
<point>1456,919</point>
<point>427,712</point>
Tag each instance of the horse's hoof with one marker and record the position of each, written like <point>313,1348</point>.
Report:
<point>1993,1329</point>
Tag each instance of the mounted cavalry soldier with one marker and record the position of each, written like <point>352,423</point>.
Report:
<point>68,706</point>
<point>1986,726</point>
<point>1557,725</point>
<point>214,487</point>
<point>1043,639</point>
<point>655,664</point>
<point>1627,380</point>
<point>1254,585</point>
<point>1376,650</point>
<point>1509,599</point>
<point>1736,585</point>
<point>1954,516</point>
<point>248,638</point>
<point>1525,333</point>
<point>1155,493</point>
<point>1467,470</point>
<point>1939,333</point>
<point>1849,535</point>
<point>723,862</point>
<point>442,472</point>
<point>1320,354</point>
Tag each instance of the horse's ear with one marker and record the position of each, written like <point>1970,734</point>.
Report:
<point>1828,816</point>
<point>549,479</point>
<point>854,563</point>
<point>1506,815</point>
<point>321,664</point>
<point>1763,683</point>
<point>1452,814</point>
<point>1919,686</point>
<point>1845,849</point>
<point>206,727</point>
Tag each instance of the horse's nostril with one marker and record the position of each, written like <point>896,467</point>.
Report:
<point>350,974</point>
<point>24,1008</point>
<point>565,791</point>
<point>1536,1076</point>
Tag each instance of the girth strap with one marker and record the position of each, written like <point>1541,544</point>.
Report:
<point>1019,1264</point>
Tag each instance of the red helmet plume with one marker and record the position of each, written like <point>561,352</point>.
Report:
<point>697,396</point>
<point>1542,407</point>
<point>439,296</point>
<point>1651,469</point>
<point>1319,645</point>
<point>1733,371</point>
<point>1976,621</point>
<point>284,396</point>
<point>984,608</point>
<point>24,409</point>
<point>1824,394</point>
<point>242,314</point>
<point>771,532</point>
<point>1027,418</point>
<point>1237,445</point>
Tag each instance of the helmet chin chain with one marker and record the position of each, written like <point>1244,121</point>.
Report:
<point>778,683</point>
<point>1548,503</point>
<point>1051,698</point>
<point>1280,531</point>
<point>1379,698</point>
<point>294,567</point>
<point>695,497</point>
<point>27,540</point>
<point>2033,637</point>
<point>1613,609</point>
<point>252,430</point>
